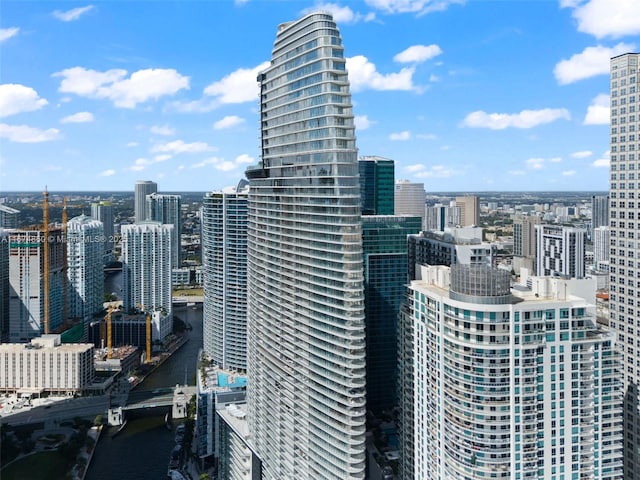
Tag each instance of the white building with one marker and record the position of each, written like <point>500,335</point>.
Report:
<point>409,199</point>
<point>146,271</point>
<point>224,262</point>
<point>560,251</point>
<point>601,237</point>
<point>508,383</point>
<point>46,365</point>
<point>306,354</point>
<point>625,250</point>
<point>85,256</point>
<point>142,189</point>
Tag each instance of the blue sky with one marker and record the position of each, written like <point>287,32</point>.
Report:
<point>464,96</point>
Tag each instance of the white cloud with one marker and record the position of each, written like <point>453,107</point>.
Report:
<point>569,173</point>
<point>555,159</point>
<point>535,163</point>
<point>141,86</point>
<point>342,14</point>
<point>132,144</point>
<point>607,18</point>
<point>161,158</point>
<point>16,98</point>
<point>73,14</point>
<point>602,161</point>
<point>237,87</point>
<point>405,135</point>
<point>418,53</point>
<point>140,164</point>
<point>244,159</point>
<point>414,168</point>
<point>517,172</point>
<point>582,154</point>
<point>524,119</point>
<point>363,75</point>
<point>225,166</point>
<point>438,171</point>
<point>590,62</point>
<point>228,122</point>
<point>427,136</point>
<point>434,78</point>
<point>598,113</point>
<point>164,130</point>
<point>107,173</point>
<point>179,146</point>
<point>419,7</point>
<point>80,117</point>
<point>569,3</point>
<point>7,33</point>
<point>26,134</point>
<point>445,147</point>
<point>362,122</point>
<point>207,161</point>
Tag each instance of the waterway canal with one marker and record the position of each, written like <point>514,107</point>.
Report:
<point>141,451</point>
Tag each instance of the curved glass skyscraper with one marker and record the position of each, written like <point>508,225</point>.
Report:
<point>306,353</point>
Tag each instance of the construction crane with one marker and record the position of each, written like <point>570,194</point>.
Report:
<point>109,331</point>
<point>148,336</point>
<point>46,257</point>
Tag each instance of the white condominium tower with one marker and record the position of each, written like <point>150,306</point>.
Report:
<point>224,264</point>
<point>142,189</point>
<point>85,255</point>
<point>166,209</point>
<point>306,364</point>
<point>624,256</point>
<point>508,383</point>
<point>146,271</point>
<point>409,199</point>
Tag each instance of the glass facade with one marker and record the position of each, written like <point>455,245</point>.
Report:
<point>377,185</point>
<point>306,362</point>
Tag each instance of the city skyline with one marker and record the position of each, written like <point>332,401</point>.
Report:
<point>90,98</point>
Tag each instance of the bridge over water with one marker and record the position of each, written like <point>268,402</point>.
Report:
<point>176,398</point>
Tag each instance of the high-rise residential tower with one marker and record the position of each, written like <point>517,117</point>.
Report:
<point>103,211</point>
<point>376,185</point>
<point>624,271</point>
<point>409,199</point>
<point>599,211</point>
<point>8,217</point>
<point>146,272</point>
<point>601,246</point>
<point>507,383</point>
<point>142,189</point>
<point>85,256</point>
<point>224,262</point>
<point>4,286</point>
<point>306,361</point>
<point>560,251</point>
<point>469,206</point>
<point>524,242</point>
<point>166,209</point>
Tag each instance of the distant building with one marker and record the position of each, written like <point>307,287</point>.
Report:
<point>224,262</point>
<point>384,242</point>
<point>8,217</point>
<point>85,255</point>
<point>560,251</point>
<point>438,217</point>
<point>599,211</point>
<point>507,383</point>
<point>524,241</point>
<point>409,199</point>
<point>27,283</point>
<point>180,277</point>
<point>376,185</point>
<point>146,270</point>
<point>166,209</point>
<point>103,211</point>
<point>142,189</point>
<point>469,206</point>
<point>601,246</point>
<point>46,366</point>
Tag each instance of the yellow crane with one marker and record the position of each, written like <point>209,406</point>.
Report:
<point>109,331</point>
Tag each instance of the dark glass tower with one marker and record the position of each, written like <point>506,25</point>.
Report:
<point>377,185</point>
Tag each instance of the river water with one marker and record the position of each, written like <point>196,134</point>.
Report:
<point>141,451</point>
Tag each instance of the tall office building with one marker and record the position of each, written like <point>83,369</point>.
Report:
<point>508,383</point>
<point>85,257</point>
<point>624,311</point>
<point>599,211</point>
<point>524,242</point>
<point>166,209</point>
<point>27,297</point>
<point>438,217</point>
<point>142,189</point>
<point>146,271</point>
<point>469,206</point>
<point>409,199</point>
<point>376,185</point>
<point>306,361</point>
<point>4,286</point>
<point>224,261</point>
<point>560,251</point>
<point>601,245</point>
<point>384,241</point>
<point>8,217</point>
<point>103,211</point>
